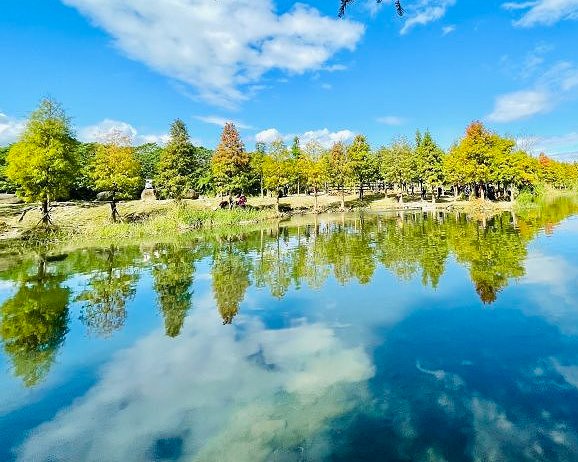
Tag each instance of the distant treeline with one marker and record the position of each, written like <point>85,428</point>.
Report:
<point>48,163</point>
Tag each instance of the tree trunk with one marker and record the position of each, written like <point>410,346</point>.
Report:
<point>45,214</point>
<point>455,193</point>
<point>277,202</point>
<point>315,198</point>
<point>433,195</point>
<point>298,188</point>
<point>262,187</point>
<point>361,192</point>
<point>482,192</point>
<point>343,198</point>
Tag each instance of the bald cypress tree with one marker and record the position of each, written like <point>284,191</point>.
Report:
<point>231,163</point>
<point>179,165</point>
<point>43,162</point>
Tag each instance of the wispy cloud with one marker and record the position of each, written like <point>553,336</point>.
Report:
<point>544,12</point>
<point>560,147</point>
<point>448,29</point>
<point>425,12</point>
<point>10,129</point>
<point>221,48</point>
<point>99,131</point>
<point>391,120</point>
<point>551,89</point>
<point>221,121</point>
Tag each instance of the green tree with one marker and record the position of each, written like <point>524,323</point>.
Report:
<point>34,323</point>
<point>178,167</point>
<point>230,272</point>
<point>257,163</point>
<point>363,167</point>
<point>297,155</point>
<point>397,164</point>
<point>173,272</point>
<point>314,166</point>
<point>84,187</point>
<point>149,157</point>
<point>277,169</point>
<point>338,168</point>
<point>116,167</point>
<point>6,185</point>
<point>231,164</point>
<point>106,295</point>
<point>430,161</point>
<point>43,163</point>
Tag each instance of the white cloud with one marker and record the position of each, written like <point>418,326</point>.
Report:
<point>448,29</point>
<point>324,137</point>
<point>552,88</point>
<point>99,131</point>
<point>520,105</point>
<point>391,120</point>
<point>426,11</point>
<point>268,136</point>
<point>224,393</point>
<point>221,121</point>
<point>544,12</point>
<point>560,147</point>
<point>326,86</point>
<point>10,129</point>
<point>222,47</point>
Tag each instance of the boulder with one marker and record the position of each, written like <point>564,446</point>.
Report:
<point>148,194</point>
<point>104,196</point>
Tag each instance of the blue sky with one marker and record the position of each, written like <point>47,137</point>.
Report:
<point>278,68</point>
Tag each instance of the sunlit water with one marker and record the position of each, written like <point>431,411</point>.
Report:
<point>409,337</point>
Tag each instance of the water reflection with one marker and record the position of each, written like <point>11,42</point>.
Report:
<point>34,323</point>
<point>111,285</point>
<point>346,338</point>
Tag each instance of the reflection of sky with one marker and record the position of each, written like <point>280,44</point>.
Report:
<point>206,383</point>
<point>421,374</point>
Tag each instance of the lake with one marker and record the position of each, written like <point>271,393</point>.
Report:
<point>401,337</point>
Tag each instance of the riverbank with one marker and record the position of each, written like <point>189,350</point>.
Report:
<point>78,221</point>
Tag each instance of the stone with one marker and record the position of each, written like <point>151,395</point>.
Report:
<point>148,194</point>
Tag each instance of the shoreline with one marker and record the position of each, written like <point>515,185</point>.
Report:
<point>90,221</point>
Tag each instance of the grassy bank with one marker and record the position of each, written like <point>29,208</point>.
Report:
<point>90,221</point>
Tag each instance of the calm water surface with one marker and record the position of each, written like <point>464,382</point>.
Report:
<point>411,337</point>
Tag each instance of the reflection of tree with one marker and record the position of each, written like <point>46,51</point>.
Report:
<point>230,273</point>
<point>494,254</point>
<point>274,267</point>
<point>173,272</point>
<point>34,324</point>
<point>109,289</point>
<point>413,242</point>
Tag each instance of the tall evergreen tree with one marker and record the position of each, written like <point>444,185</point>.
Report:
<point>43,162</point>
<point>363,167</point>
<point>178,166</point>
<point>338,168</point>
<point>430,160</point>
<point>230,164</point>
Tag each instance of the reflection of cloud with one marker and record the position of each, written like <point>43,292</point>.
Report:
<point>570,373</point>
<point>497,438</point>
<point>555,272</point>
<point>213,390</point>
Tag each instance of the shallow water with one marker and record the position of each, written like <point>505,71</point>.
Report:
<point>377,337</point>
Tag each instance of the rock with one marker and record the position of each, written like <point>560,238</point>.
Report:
<point>148,195</point>
<point>104,196</point>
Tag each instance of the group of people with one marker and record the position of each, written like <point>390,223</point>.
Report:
<point>240,201</point>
